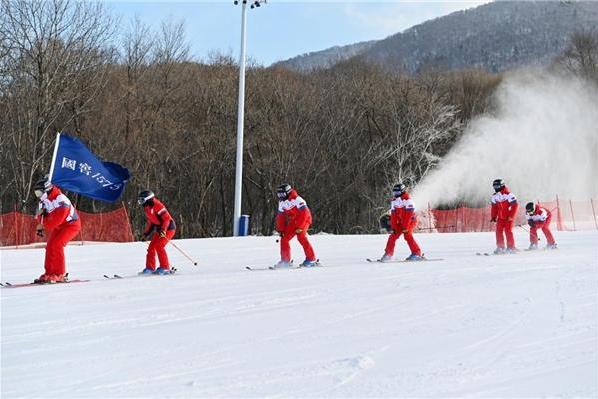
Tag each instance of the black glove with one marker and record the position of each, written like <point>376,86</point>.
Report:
<point>493,220</point>
<point>531,223</point>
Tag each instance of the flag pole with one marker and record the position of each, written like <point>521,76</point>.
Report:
<point>54,157</point>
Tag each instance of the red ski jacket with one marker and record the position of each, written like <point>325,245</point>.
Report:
<point>293,214</point>
<point>158,217</point>
<point>539,217</point>
<point>55,209</point>
<point>504,205</point>
<point>402,213</point>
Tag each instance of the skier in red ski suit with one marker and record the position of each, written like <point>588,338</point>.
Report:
<point>539,217</point>
<point>58,217</point>
<point>160,227</point>
<point>402,222</point>
<point>503,212</point>
<point>293,218</point>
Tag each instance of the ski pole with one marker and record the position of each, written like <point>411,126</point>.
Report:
<point>520,225</point>
<point>180,250</point>
<point>183,252</point>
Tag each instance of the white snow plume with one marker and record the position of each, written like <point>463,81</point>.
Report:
<point>542,140</point>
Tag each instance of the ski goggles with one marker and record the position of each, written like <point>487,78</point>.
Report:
<point>143,200</point>
<point>281,195</point>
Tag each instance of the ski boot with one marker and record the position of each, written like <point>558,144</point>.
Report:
<point>512,250</point>
<point>551,246</point>
<point>283,264</point>
<point>163,271</point>
<point>499,251</point>
<point>147,271</point>
<point>41,279</point>
<point>50,279</point>
<point>385,258</point>
<point>414,258</point>
<point>309,263</point>
<point>532,247</point>
<point>59,278</point>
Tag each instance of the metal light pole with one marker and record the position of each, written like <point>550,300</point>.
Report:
<point>240,117</point>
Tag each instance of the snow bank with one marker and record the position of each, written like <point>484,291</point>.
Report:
<point>522,325</point>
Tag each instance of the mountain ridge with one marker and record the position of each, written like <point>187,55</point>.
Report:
<point>496,37</point>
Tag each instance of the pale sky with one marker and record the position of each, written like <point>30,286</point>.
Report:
<point>282,29</point>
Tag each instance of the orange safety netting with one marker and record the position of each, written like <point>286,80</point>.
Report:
<point>19,229</point>
<point>566,216</point>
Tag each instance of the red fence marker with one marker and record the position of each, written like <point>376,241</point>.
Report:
<point>114,226</point>
<point>594,213</point>
<point>572,214</point>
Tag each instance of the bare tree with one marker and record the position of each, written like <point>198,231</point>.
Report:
<point>581,56</point>
<point>55,58</point>
<point>342,135</point>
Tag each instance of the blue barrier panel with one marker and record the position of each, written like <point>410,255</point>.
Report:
<point>244,225</point>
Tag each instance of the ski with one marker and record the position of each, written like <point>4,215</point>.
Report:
<point>20,285</point>
<point>120,277</point>
<point>273,267</point>
<point>519,252</point>
<point>293,267</point>
<point>405,260</point>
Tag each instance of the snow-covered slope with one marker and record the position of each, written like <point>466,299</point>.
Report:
<point>520,325</point>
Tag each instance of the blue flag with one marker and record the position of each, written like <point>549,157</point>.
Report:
<point>77,169</point>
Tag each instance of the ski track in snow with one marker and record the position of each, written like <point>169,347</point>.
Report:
<point>514,325</point>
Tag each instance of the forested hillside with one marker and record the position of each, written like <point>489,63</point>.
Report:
<point>343,135</point>
<point>494,37</point>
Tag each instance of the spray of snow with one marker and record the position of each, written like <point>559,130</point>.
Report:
<point>542,140</point>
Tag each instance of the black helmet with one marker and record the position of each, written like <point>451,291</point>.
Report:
<point>144,196</point>
<point>42,186</point>
<point>283,191</point>
<point>498,184</point>
<point>529,207</point>
<point>398,189</point>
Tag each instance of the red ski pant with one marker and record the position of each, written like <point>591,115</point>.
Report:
<point>504,228</point>
<point>285,246</point>
<point>59,237</point>
<point>533,232</point>
<point>156,247</point>
<point>392,239</point>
